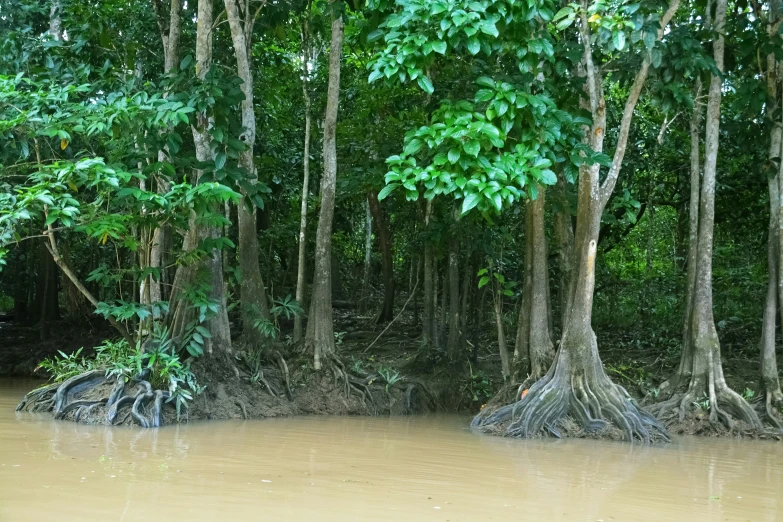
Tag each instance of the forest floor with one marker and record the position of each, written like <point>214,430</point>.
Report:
<point>391,377</point>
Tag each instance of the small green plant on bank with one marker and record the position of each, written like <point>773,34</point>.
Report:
<point>703,404</point>
<point>748,394</point>
<point>65,366</point>
<point>389,375</point>
<point>479,385</point>
<point>357,366</point>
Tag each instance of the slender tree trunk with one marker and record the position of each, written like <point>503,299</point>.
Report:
<point>252,292</point>
<point>428,313</point>
<point>320,328</point>
<point>384,240</point>
<point>301,264</point>
<point>365,298</point>
<point>162,240</point>
<point>455,337</point>
<point>55,21</point>
<point>502,346</point>
<point>466,287</point>
<point>443,313</point>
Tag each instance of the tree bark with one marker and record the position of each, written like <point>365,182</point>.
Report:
<point>365,298</point>
<point>428,313</point>
<point>162,240</point>
<point>455,337</point>
<point>769,367</point>
<point>564,232</point>
<point>381,223</point>
<point>55,20</point>
<point>320,328</point>
<point>301,264</point>
<point>212,273</point>
<point>253,300</point>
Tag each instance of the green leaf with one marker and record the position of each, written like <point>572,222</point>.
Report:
<point>483,281</point>
<point>388,189</point>
<point>439,47</point>
<point>374,76</point>
<point>413,146</point>
<point>563,13</point>
<point>220,160</point>
<point>548,177</point>
<point>425,84</point>
<point>471,200</point>
<point>486,81</point>
<point>474,46</point>
<point>481,272</point>
<point>618,39</point>
<point>488,27</point>
<point>454,155</point>
<point>472,147</point>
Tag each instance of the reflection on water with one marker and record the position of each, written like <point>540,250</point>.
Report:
<point>367,469</point>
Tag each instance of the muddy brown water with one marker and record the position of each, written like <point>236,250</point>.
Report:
<point>428,468</point>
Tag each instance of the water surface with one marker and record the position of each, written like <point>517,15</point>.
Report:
<point>367,469</point>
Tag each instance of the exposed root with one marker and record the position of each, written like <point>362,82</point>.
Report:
<point>241,407</point>
<point>724,406</point>
<point>772,406</point>
<point>266,384</point>
<point>286,375</point>
<point>595,404</point>
<point>77,396</point>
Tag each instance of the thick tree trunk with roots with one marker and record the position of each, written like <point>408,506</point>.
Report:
<point>706,380</point>
<point>319,340</point>
<point>252,292</point>
<point>576,385</point>
<point>211,268</point>
<point>381,223</point>
<point>770,381</point>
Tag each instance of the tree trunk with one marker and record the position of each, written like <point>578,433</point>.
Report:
<point>466,292</point>
<point>55,21</point>
<point>576,383</point>
<point>384,240</point>
<point>252,292</point>
<point>212,273</point>
<point>365,298</point>
<point>564,232</point>
<point>706,369</point>
<point>505,366</point>
<point>45,307</point>
<point>428,313</point>
<point>301,264</point>
<point>162,240</point>
<point>320,328</point>
<point>443,315</point>
<point>455,338</point>
<point>769,368</point>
